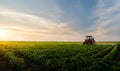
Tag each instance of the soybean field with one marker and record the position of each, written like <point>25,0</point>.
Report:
<point>59,56</point>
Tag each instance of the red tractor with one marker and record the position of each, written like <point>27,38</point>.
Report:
<point>89,40</point>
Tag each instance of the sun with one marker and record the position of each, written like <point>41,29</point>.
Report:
<point>2,33</point>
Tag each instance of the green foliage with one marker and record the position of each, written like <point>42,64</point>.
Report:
<point>16,64</point>
<point>61,56</point>
<point>103,52</point>
<point>111,55</point>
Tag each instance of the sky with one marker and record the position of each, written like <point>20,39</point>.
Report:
<point>59,20</point>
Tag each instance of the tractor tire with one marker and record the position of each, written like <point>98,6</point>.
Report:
<point>83,43</point>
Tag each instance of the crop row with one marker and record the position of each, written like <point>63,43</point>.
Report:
<point>60,56</point>
<point>101,53</point>
<point>106,63</point>
<point>64,57</point>
<point>111,55</point>
<point>15,63</point>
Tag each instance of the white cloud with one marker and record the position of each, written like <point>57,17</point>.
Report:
<point>26,19</point>
<point>108,14</point>
<point>99,32</point>
<point>23,26</point>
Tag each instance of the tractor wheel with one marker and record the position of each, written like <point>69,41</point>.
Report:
<point>83,43</point>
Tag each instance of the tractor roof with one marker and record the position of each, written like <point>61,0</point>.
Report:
<point>88,36</point>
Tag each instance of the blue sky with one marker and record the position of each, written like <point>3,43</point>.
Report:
<point>59,20</point>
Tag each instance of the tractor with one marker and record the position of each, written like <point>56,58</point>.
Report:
<point>89,40</point>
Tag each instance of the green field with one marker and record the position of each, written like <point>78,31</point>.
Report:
<point>60,56</point>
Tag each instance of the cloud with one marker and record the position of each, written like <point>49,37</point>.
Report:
<point>99,32</point>
<point>54,21</point>
<point>44,8</point>
<point>24,19</point>
<point>107,13</point>
<point>30,27</point>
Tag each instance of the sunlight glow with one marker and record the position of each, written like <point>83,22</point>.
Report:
<point>2,33</point>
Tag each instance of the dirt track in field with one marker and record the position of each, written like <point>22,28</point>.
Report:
<point>3,64</point>
<point>117,57</point>
<point>32,66</point>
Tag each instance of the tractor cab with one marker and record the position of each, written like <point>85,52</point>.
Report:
<point>89,40</point>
